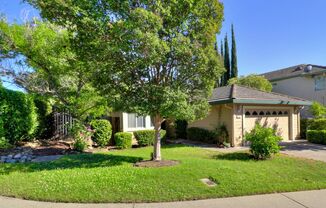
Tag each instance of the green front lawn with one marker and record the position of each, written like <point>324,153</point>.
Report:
<point>112,178</point>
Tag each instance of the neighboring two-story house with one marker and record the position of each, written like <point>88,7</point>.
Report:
<point>305,81</point>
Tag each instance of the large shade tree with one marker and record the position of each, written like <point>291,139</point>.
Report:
<point>37,56</point>
<point>155,57</point>
<point>253,81</point>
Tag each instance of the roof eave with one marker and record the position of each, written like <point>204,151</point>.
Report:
<point>297,75</point>
<point>256,101</point>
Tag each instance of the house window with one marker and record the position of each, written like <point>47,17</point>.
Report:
<point>135,121</point>
<point>320,83</point>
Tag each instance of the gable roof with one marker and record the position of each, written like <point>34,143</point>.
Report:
<point>245,95</point>
<point>294,71</point>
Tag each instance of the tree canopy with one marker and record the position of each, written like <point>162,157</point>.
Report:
<point>154,57</point>
<point>253,81</point>
<point>43,62</point>
<point>318,110</point>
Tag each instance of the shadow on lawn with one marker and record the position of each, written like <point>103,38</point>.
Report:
<point>244,156</point>
<point>70,162</point>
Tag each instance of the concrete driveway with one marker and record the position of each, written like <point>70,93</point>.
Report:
<point>305,149</point>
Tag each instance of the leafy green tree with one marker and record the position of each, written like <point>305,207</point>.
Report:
<point>234,62</point>
<point>227,66</point>
<point>155,57</point>
<point>48,66</point>
<point>318,110</point>
<point>253,81</point>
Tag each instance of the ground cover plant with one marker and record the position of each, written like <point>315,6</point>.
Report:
<point>112,177</point>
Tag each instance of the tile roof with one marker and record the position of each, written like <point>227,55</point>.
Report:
<point>294,71</point>
<point>241,94</point>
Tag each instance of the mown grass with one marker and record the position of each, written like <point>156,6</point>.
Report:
<point>111,177</point>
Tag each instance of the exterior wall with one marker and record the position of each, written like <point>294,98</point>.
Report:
<point>233,116</point>
<point>238,116</point>
<point>218,114</point>
<point>303,87</point>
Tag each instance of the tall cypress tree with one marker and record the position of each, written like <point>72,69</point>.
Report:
<point>226,60</point>
<point>218,82</point>
<point>234,63</point>
<point>222,46</point>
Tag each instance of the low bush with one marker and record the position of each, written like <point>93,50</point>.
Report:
<point>102,132</point>
<point>263,142</point>
<point>146,137</point>
<point>4,143</point>
<point>18,115</point>
<point>202,135</point>
<point>123,140</point>
<point>303,128</point>
<point>81,135</point>
<point>316,136</point>
<point>317,124</point>
<point>222,134</point>
<point>80,144</point>
<point>181,129</point>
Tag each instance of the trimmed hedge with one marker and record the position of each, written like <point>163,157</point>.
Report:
<point>103,132</point>
<point>317,136</point>
<point>146,137</point>
<point>45,129</point>
<point>317,124</point>
<point>18,116</point>
<point>202,135</point>
<point>303,128</point>
<point>181,129</point>
<point>123,140</point>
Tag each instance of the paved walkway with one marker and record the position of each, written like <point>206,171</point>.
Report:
<point>299,148</point>
<point>305,149</point>
<point>303,199</point>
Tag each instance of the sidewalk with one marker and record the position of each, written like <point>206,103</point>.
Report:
<point>303,199</point>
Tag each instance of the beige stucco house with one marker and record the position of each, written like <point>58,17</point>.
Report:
<point>306,81</point>
<point>240,108</point>
<point>129,122</point>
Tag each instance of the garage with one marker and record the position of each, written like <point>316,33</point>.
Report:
<point>278,119</point>
<point>239,108</point>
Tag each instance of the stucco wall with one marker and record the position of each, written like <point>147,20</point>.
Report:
<point>233,117</point>
<point>303,87</point>
<point>218,114</point>
<point>237,125</point>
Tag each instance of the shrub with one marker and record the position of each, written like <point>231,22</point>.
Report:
<point>222,134</point>
<point>146,137</point>
<point>81,135</point>
<point>123,140</point>
<point>103,132</point>
<point>264,142</point>
<point>45,129</point>
<point>318,110</point>
<point>4,143</point>
<point>18,115</point>
<point>317,124</point>
<point>181,129</point>
<point>200,134</point>
<point>303,128</point>
<point>317,136</point>
<point>80,144</point>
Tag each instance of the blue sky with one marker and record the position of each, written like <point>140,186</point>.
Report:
<point>270,34</point>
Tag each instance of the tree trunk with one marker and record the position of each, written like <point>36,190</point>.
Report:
<point>157,140</point>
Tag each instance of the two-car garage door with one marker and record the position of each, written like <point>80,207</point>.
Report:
<point>277,119</point>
